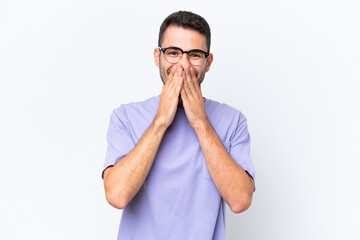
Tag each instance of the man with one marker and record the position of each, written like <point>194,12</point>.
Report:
<point>174,160</point>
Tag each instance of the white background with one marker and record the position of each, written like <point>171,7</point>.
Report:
<point>292,67</point>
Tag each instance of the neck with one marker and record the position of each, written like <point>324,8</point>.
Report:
<point>180,103</point>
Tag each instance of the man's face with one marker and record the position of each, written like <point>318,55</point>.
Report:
<point>186,39</point>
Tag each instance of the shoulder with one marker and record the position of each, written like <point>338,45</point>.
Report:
<point>133,107</point>
<point>226,120</point>
<point>221,110</point>
<point>136,113</point>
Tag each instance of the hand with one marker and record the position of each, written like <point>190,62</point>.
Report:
<point>169,97</point>
<point>192,99</point>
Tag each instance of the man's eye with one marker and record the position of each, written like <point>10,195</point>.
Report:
<point>173,53</point>
<point>196,55</point>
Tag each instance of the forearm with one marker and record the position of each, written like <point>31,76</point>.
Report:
<point>124,179</point>
<point>233,183</point>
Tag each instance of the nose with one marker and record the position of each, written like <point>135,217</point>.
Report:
<point>184,61</point>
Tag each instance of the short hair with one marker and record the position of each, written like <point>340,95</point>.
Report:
<point>187,20</point>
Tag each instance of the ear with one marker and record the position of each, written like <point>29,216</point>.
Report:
<point>156,56</point>
<point>209,61</point>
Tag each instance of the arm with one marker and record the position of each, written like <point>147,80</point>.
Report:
<point>233,183</point>
<point>123,180</point>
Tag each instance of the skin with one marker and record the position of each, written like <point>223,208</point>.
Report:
<point>178,37</point>
<point>181,87</point>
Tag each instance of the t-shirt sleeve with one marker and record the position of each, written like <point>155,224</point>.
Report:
<point>119,139</point>
<point>240,146</point>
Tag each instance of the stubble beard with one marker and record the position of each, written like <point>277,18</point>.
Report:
<point>163,76</point>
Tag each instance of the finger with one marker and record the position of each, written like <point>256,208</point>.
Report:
<point>173,72</point>
<point>183,88</point>
<point>177,75</point>
<point>195,81</point>
<point>180,72</point>
<point>184,96</point>
<point>189,79</point>
<point>177,82</point>
<point>175,85</point>
<point>178,85</point>
<point>186,86</point>
<point>171,76</point>
<point>174,75</point>
<point>175,91</point>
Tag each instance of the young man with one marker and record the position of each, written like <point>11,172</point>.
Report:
<point>174,160</point>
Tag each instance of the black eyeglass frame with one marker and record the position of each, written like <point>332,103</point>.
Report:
<point>182,51</point>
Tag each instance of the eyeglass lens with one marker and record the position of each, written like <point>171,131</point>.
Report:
<point>174,55</point>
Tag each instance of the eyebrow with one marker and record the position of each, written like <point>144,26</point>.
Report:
<point>194,49</point>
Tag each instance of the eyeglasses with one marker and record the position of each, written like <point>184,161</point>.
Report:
<point>174,55</point>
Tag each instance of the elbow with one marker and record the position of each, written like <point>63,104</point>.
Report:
<point>114,195</point>
<point>241,205</point>
<point>116,200</point>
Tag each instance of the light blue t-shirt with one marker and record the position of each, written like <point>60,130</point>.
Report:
<point>178,199</point>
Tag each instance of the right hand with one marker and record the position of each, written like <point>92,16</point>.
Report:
<point>169,97</point>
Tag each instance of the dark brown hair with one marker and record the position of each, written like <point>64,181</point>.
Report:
<point>187,20</point>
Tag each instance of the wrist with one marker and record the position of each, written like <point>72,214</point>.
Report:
<point>201,126</point>
<point>159,125</point>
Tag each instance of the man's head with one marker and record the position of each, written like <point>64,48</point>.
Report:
<point>185,31</point>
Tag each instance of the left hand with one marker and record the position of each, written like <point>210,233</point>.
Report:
<point>192,99</point>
